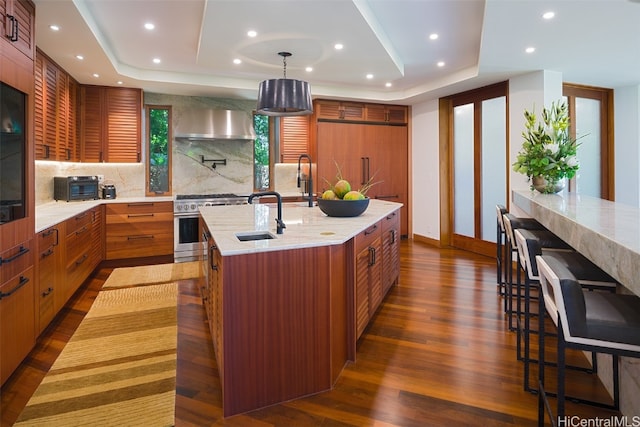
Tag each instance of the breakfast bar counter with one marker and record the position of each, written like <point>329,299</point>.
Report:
<point>608,233</point>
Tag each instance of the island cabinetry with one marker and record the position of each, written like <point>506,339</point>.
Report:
<point>110,124</point>
<point>368,275</point>
<point>274,326</point>
<point>17,307</point>
<point>56,104</point>
<point>390,250</point>
<point>49,268</point>
<point>213,300</point>
<point>135,230</point>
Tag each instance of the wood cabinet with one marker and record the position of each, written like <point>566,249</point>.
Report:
<point>294,138</point>
<point>136,230</point>
<point>390,250</point>
<point>366,153</point>
<point>79,260</point>
<point>368,275</point>
<point>355,111</point>
<point>49,295</point>
<point>110,124</point>
<point>56,105</point>
<point>212,297</point>
<point>17,307</point>
<point>18,25</point>
<point>339,110</point>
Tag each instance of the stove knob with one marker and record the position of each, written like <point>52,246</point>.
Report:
<point>179,207</point>
<point>193,206</point>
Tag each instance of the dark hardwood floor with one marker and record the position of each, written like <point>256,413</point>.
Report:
<point>438,352</point>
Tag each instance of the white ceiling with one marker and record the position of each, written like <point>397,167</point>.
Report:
<point>592,42</point>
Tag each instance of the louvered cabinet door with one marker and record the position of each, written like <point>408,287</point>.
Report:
<point>294,138</point>
<point>124,109</point>
<point>91,129</point>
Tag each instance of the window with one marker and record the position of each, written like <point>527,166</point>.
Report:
<point>158,150</point>
<point>262,156</point>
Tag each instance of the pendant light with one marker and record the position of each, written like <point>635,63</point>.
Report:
<point>284,97</point>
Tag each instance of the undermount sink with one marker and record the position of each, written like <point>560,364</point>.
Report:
<point>254,235</point>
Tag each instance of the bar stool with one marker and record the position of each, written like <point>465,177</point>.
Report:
<point>542,242</point>
<point>512,222</point>
<point>590,321</point>
<point>500,249</point>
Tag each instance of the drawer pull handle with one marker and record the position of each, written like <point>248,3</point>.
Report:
<point>146,236</point>
<point>83,259</point>
<point>388,196</point>
<point>47,292</point>
<point>23,281</point>
<point>211,264</point>
<point>371,230</point>
<point>82,215</point>
<point>82,230</point>
<point>47,253</point>
<point>133,205</point>
<point>392,215</point>
<point>21,252</point>
<point>139,215</point>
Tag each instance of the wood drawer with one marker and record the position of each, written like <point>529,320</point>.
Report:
<point>78,223</point>
<point>391,221</point>
<point>368,236</point>
<point>121,246</point>
<point>15,260</point>
<point>78,269</point>
<point>138,209</point>
<point>78,243</point>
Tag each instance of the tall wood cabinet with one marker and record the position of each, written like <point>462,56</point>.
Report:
<point>366,152</point>
<point>56,112</point>
<point>17,282</point>
<point>110,124</point>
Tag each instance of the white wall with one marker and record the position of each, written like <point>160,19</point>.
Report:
<point>627,145</point>
<point>426,173</point>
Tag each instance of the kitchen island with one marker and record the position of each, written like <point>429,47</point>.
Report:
<point>285,313</point>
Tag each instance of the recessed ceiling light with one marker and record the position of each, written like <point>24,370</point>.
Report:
<point>96,75</point>
<point>80,57</point>
<point>530,49</point>
<point>54,28</point>
<point>308,69</point>
<point>388,84</point>
<point>369,76</point>
<point>156,60</point>
<point>149,26</point>
<point>433,36</point>
<point>440,64</point>
<point>252,33</point>
<point>237,61</point>
<point>338,46</point>
<point>548,15</point>
<point>120,82</point>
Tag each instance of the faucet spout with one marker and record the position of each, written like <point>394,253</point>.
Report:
<point>280,225</point>
<point>309,179</point>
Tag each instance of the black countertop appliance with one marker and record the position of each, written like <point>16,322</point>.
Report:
<point>108,191</point>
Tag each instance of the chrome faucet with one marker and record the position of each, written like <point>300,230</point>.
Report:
<point>280,225</point>
<point>309,180</point>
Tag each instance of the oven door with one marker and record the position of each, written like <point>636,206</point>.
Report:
<point>187,244</point>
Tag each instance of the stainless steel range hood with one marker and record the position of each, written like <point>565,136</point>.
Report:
<point>211,124</point>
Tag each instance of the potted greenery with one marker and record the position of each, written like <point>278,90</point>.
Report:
<point>548,154</point>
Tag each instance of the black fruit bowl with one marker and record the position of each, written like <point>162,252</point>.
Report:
<point>343,208</point>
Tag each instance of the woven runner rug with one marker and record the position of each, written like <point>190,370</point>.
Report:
<point>151,274</point>
<point>118,368</point>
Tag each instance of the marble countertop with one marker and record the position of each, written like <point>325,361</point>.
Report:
<point>49,214</point>
<point>305,226</point>
<point>608,233</point>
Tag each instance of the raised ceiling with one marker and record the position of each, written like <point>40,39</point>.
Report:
<point>593,42</point>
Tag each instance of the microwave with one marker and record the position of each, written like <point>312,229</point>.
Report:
<point>75,188</point>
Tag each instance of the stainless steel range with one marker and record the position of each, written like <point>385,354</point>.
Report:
<point>187,242</point>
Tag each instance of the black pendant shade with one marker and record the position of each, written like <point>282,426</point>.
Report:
<point>284,97</point>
